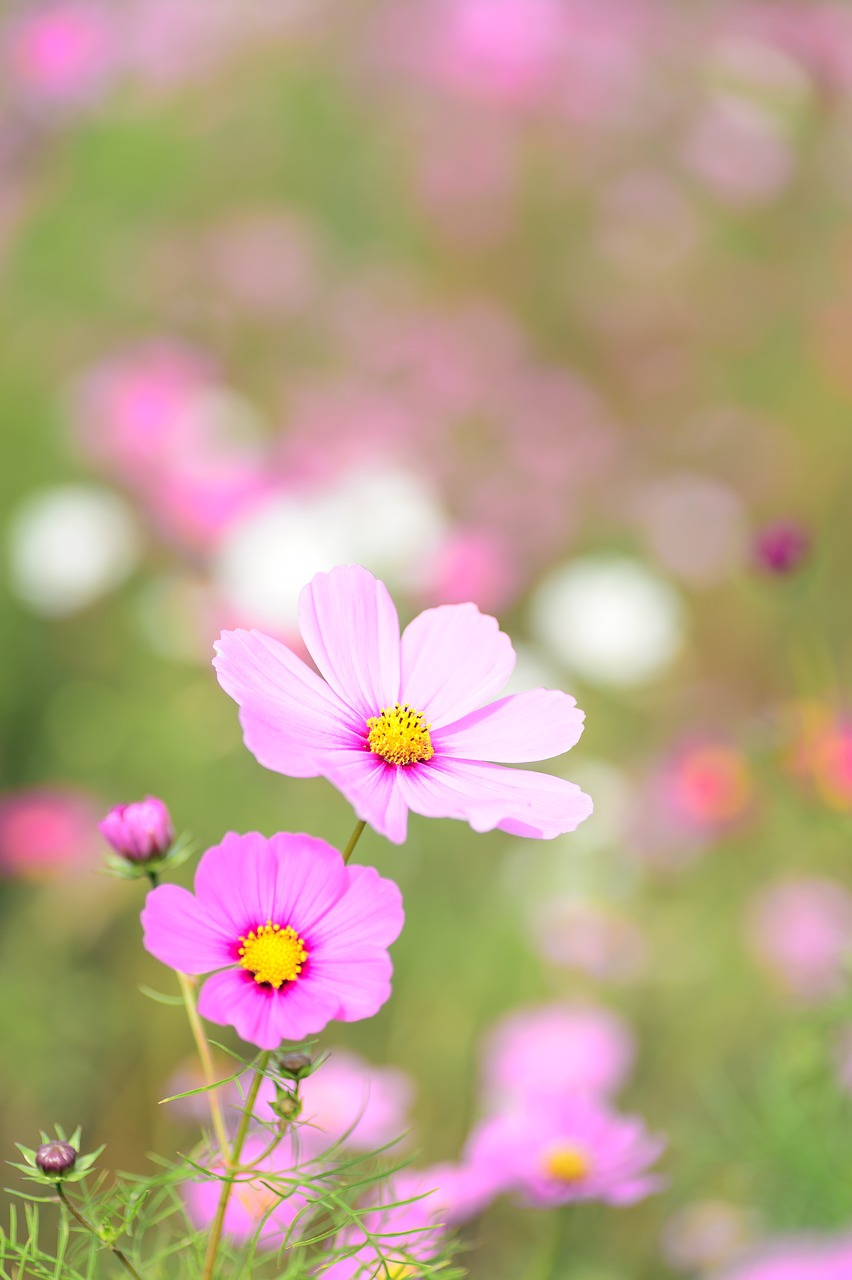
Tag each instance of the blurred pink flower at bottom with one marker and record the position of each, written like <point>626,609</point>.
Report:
<point>44,832</point>
<point>800,930</point>
<point>250,1199</point>
<point>798,1258</point>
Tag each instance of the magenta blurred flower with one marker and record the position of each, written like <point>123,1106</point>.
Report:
<point>781,547</point>
<point>400,725</point>
<point>348,1100</point>
<point>555,1051</point>
<point>293,938</point>
<point>798,1258</point>
<point>560,1151</point>
<point>801,931</point>
<point>46,831</point>
<point>62,52</point>
<point>141,831</point>
<point>252,1198</point>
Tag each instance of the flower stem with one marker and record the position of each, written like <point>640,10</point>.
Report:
<point>353,840</point>
<point>90,1227</point>
<point>188,993</point>
<point>232,1164</point>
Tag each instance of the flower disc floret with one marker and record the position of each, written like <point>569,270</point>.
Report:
<point>407,721</point>
<point>566,1163</point>
<point>320,955</point>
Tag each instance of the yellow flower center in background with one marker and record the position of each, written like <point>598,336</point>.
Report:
<point>273,954</point>
<point>400,735</point>
<point>394,1271</point>
<point>567,1164</point>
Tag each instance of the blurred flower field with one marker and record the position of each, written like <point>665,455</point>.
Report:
<point>540,304</point>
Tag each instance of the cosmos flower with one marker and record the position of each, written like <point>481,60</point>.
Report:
<point>404,724</point>
<point>563,1150</point>
<point>253,1205</point>
<point>291,936</point>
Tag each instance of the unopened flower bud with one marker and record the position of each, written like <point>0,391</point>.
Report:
<point>56,1158</point>
<point>286,1105</point>
<point>139,832</point>
<point>294,1065</point>
<point>782,548</point>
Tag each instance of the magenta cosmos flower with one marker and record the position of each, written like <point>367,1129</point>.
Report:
<point>293,938</point>
<point>402,723</point>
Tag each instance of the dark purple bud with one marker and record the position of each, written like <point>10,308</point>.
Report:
<point>140,832</point>
<point>56,1158</point>
<point>782,547</point>
<point>294,1065</point>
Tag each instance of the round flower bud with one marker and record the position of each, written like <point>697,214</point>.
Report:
<point>56,1158</point>
<point>139,832</point>
<point>294,1065</point>
<point>782,548</point>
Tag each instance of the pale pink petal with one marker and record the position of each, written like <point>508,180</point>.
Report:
<point>522,727</point>
<point>454,659</point>
<point>371,788</point>
<point>290,717</point>
<point>369,915</point>
<point>181,933</point>
<point>535,805</point>
<point>350,626</point>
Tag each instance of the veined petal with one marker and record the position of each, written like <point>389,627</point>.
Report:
<point>368,916</point>
<point>311,879</point>
<point>536,805</point>
<point>350,626</point>
<point>522,727</point>
<point>236,882</point>
<point>181,933</point>
<point>371,788</point>
<point>290,717</point>
<point>362,988</point>
<point>454,659</point>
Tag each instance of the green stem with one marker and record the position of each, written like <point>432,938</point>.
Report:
<point>353,840</point>
<point>187,990</point>
<point>90,1227</point>
<point>232,1165</point>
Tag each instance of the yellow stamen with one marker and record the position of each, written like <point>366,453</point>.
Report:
<point>273,954</point>
<point>394,1271</point>
<point>567,1164</point>
<point>400,735</point>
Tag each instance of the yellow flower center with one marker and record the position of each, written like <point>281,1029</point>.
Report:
<point>255,1199</point>
<point>273,954</point>
<point>566,1164</point>
<point>394,1271</point>
<point>400,735</point>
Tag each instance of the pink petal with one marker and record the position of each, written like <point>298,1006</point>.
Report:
<point>535,805</point>
<point>368,916</point>
<point>350,626</point>
<point>524,726</point>
<point>360,983</point>
<point>262,1016</point>
<point>289,715</point>
<point>181,933</point>
<point>454,659</point>
<point>311,878</point>
<point>236,881</point>
<point>371,788</point>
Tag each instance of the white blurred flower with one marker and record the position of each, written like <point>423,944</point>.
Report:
<point>612,621</point>
<point>69,545</point>
<point>383,518</point>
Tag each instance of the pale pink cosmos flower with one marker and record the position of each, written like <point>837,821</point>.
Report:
<point>253,1205</point>
<point>401,725</point>
<point>798,1258</point>
<point>555,1051</point>
<point>292,936</point>
<point>800,930</point>
<point>347,1100</point>
<point>557,1151</point>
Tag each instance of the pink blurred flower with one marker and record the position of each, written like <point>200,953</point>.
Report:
<point>252,1199</point>
<point>708,786</point>
<point>63,52</point>
<point>592,939</point>
<point>405,1233</point>
<point>740,152</point>
<point>800,929</point>
<point>555,1051</point>
<point>822,751</point>
<point>44,832</point>
<point>295,937</point>
<point>707,1233</point>
<point>348,1100</point>
<point>798,1258</point>
<point>560,1151</point>
<point>139,831</point>
<point>403,725</point>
